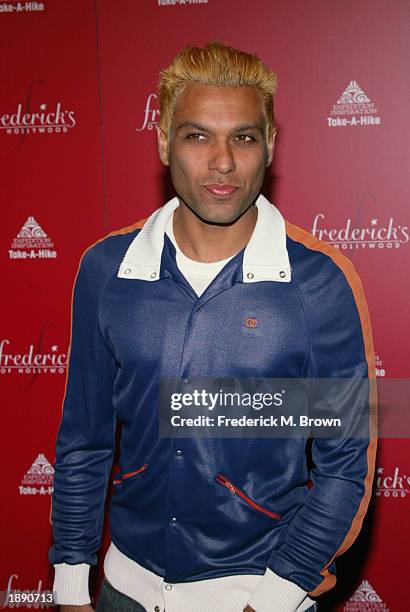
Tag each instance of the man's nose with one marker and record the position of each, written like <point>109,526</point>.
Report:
<point>222,158</point>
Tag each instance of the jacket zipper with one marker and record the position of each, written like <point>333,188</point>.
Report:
<point>130,474</point>
<point>233,489</point>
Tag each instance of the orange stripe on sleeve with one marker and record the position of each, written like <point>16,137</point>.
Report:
<point>307,239</point>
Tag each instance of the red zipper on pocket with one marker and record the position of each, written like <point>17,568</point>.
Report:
<point>130,474</point>
<point>233,489</point>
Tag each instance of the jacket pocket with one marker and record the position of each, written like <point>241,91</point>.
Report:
<point>127,475</point>
<point>221,479</point>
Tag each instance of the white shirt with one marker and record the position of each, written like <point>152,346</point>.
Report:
<point>198,274</point>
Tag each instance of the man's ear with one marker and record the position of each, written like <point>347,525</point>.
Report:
<point>163,146</point>
<point>270,148</point>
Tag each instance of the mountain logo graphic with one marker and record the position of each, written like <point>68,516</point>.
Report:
<point>353,108</point>
<point>365,598</point>
<point>32,236</point>
<point>31,229</point>
<point>32,242</point>
<point>353,94</point>
<point>40,473</point>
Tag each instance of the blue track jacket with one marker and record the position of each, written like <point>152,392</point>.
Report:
<point>137,320</point>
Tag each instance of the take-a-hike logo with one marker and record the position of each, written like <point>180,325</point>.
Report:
<point>32,242</point>
<point>375,234</point>
<point>353,108</point>
<point>151,113</point>
<point>38,480</point>
<point>22,7</point>
<point>392,483</point>
<point>32,360</point>
<point>365,599</point>
<point>43,121</point>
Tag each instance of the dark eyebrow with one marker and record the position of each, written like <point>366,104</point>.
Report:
<point>241,128</point>
<point>194,126</point>
<point>250,126</point>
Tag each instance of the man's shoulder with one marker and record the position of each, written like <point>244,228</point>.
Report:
<point>113,246</point>
<point>327,280</point>
<point>312,256</point>
<point>103,257</point>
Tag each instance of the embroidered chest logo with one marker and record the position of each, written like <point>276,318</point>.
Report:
<point>251,322</point>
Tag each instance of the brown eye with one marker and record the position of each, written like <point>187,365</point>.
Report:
<point>195,136</point>
<point>245,138</point>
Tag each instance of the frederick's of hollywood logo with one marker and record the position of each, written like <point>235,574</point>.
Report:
<point>375,236</point>
<point>151,113</point>
<point>31,361</point>
<point>44,121</point>
<point>393,484</point>
<point>32,243</point>
<point>353,108</point>
<point>364,599</point>
<point>38,480</point>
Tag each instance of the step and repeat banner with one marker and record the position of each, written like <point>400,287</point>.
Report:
<point>78,109</point>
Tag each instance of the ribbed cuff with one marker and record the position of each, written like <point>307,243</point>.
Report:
<point>70,586</point>
<point>276,593</point>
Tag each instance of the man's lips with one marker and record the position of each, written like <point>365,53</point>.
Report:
<point>221,190</point>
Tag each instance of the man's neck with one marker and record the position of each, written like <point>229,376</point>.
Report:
<point>206,242</point>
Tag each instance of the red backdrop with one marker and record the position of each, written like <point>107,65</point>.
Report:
<point>78,153</point>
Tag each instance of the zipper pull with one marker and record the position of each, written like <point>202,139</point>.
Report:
<point>226,483</point>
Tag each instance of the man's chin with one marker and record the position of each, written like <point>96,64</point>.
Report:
<point>222,220</point>
<point>222,217</point>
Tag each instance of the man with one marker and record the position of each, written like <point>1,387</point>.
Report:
<point>215,284</point>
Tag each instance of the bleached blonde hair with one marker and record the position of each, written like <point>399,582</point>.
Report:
<point>219,65</point>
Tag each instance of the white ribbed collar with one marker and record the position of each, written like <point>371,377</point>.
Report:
<point>265,257</point>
